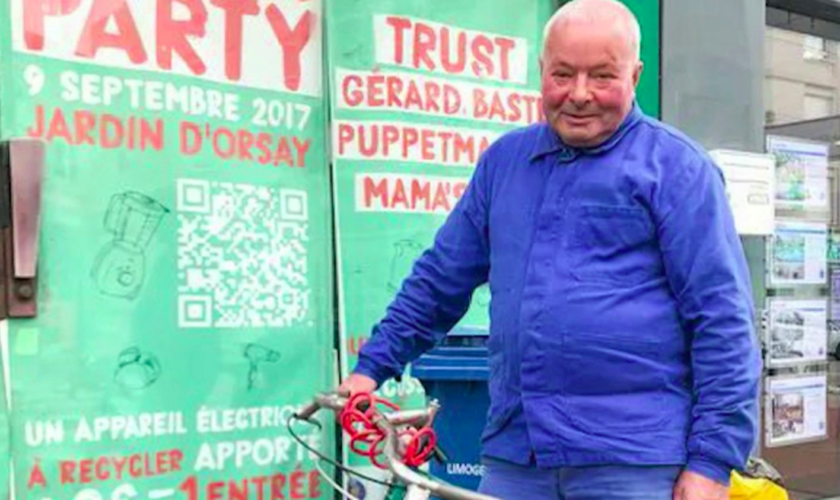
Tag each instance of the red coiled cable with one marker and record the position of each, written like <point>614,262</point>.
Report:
<point>367,440</point>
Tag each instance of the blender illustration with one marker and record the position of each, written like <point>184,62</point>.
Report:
<point>119,269</point>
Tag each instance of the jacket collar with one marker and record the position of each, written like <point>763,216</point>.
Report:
<point>548,142</point>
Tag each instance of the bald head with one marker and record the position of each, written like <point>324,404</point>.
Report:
<point>604,15</point>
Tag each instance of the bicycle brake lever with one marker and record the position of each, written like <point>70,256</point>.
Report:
<point>308,411</point>
<point>440,455</point>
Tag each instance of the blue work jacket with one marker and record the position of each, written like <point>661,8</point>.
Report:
<point>621,318</point>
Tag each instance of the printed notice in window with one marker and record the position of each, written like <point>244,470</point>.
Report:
<point>801,173</point>
<point>796,410</point>
<point>797,332</point>
<point>798,254</point>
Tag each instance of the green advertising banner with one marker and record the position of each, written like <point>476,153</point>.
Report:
<point>420,89</point>
<point>185,296</point>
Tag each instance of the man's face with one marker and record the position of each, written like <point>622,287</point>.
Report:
<point>589,77</point>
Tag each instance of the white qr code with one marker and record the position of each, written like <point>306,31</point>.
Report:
<point>242,255</point>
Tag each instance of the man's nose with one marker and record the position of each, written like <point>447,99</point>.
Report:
<point>580,91</point>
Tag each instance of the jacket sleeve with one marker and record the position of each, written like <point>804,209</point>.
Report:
<point>708,275</point>
<point>438,291</point>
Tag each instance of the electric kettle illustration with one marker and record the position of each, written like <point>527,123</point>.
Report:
<point>120,267</point>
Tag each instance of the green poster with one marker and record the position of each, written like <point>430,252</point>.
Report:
<point>419,90</point>
<point>185,293</point>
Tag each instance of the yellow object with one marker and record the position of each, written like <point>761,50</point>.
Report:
<point>747,488</point>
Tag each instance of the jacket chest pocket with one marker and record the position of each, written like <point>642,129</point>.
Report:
<point>613,244</point>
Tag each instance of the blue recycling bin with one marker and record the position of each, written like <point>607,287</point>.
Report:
<point>455,373</point>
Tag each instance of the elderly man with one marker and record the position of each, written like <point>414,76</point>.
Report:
<point>622,356</point>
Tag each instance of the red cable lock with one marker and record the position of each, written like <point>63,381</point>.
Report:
<point>368,441</point>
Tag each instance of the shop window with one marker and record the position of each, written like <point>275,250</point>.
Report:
<point>801,386</point>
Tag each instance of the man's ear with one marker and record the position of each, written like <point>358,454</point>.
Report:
<point>637,73</point>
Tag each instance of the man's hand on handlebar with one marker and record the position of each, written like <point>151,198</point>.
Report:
<point>357,383</point>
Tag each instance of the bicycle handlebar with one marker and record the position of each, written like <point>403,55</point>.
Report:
<point>388,423</point>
